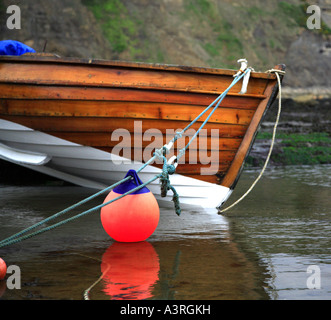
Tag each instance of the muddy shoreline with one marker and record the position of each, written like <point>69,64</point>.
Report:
<point>313,115</point>
<point>304,127</point>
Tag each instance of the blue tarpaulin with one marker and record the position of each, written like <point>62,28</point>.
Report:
<point>13,48</point>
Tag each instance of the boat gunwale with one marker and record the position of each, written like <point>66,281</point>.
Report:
<point>53,59</point>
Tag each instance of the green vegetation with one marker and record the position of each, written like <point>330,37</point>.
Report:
<point>231,42</point>
<point>256,12</point>
<point>225,31</point>
<point>294,15</point>
<point>310,148</point>
<point>221,43</point>
<point>299,149</point>
<point>325,29</point>
<point>225,42</point>
<point>199,7</point>
<point>120,28</point>
<point>2,8</point>
<point>299,14</point>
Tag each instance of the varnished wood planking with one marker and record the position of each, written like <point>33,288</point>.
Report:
<point>36,92</point>
<point>86,75</point>
<point>97,139</point>
<point>189,164</point>
<point>191,157</point>
<point>42,58</point>
<point>119,109</point>
<point>95,124</point>
<point>234,169</point>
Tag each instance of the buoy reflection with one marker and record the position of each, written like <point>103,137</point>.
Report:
<point>130,270</point>
<point>3,287</point>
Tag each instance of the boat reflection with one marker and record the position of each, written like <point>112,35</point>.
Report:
<point>130,270</point>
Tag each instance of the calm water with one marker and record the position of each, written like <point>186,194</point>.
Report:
<point>261,249</point>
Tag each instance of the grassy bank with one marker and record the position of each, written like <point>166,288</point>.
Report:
<point>293,149</point>
<point>200,32</point>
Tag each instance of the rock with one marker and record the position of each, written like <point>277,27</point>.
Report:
<point>308,63</point>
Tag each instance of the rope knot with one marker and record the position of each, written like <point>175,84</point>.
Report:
<point>165,184</point>
<point>171,168</point>
<point>276,71</point>
<point>164,179</point>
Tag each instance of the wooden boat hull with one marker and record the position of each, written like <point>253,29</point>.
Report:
<point>83,114</point>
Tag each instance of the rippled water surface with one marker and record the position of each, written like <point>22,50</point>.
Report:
<point>276,244</point>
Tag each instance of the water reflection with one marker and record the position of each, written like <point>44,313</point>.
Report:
<point>2,287</point>
<point>130,270</point>
<point>286,221</point>
<point>260,250</point>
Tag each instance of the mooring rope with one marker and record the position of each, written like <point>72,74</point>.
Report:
<point>86,293</point>
<point>164,176</point>
<point>71,207</point>
<point>12,240</point>
<point>218,102</point>
<point>277,72</point>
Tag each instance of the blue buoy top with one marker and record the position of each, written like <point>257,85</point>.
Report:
<point>131,184</point>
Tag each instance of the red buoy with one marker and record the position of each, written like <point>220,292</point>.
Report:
<point>3,269</point>
<point>130,270</point>
<point>134,217</point>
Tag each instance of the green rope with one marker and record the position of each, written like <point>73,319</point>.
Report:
<point>73,206</point>
<point>165,182</point>
<point>170,169</point>
<point>218,102</point>
<point>10,240</point>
